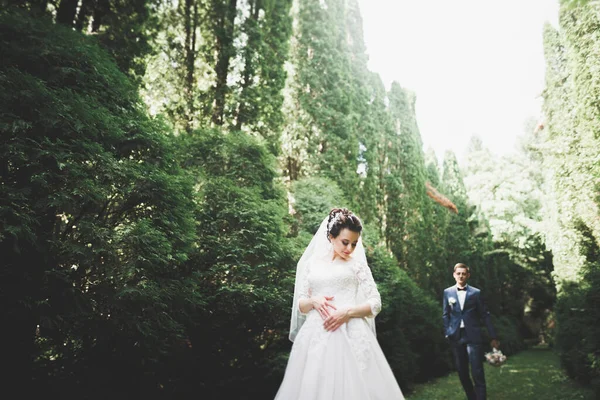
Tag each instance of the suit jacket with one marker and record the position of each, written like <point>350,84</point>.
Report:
<point>473,313</point>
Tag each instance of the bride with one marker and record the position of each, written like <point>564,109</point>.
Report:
<point>335,354</point>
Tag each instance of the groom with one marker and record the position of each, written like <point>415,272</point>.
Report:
<point>464,310</point>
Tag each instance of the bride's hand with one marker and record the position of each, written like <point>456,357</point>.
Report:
<point>322,305</point>
<point>336,320</point>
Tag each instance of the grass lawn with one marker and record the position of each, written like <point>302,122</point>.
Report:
<point>531,374</point>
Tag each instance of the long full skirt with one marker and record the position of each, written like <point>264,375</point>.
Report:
<point>346,364</point>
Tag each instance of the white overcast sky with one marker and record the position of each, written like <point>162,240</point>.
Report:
<point>476,66</point>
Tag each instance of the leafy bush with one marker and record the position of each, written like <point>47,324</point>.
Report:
<point>242,262</point>
<point>314,197</point>
<point>409,327</point>
<point>95,217</point>
<point>578,315</point>
<point>508,331</point>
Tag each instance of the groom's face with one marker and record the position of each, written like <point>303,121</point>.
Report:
<point>461,275</point>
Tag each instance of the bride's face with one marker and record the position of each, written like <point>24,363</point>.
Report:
<point>345,243</point>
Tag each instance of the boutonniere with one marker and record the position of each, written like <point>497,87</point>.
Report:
<point>452,301</point>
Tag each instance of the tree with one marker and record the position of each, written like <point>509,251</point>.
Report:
<point>321,87</point>
<point>242,263</point>
<point>96,219</point>
<point>221,63</point>
<point>417,223</point>
<point>458,232</point>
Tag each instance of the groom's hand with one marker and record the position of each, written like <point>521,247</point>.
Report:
<point>495,343</point>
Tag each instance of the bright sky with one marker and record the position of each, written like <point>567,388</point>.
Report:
<point>476,66</point>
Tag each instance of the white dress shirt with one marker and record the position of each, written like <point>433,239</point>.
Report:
<point>462,294</point>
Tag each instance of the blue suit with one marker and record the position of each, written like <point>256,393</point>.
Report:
<point>467,342</point>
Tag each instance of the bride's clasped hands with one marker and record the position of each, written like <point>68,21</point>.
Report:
<point>332,317</point>
<point>336,319</point>
<point>320,303</point>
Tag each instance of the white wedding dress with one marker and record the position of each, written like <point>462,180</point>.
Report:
<point>348,363</point>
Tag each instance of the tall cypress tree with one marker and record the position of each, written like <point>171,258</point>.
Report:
<point>569,155</point>
<point>257,107</point>
<point>458,248</point>
<point>564,142</point>
<point>411,168</point>
<point>229,65</point>
<point>440,217</point>
<point>322,87</point>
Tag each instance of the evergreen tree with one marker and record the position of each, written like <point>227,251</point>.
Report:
<point>243,267</point>
<point>96,220</point>
<point>322,88</point>
<point>417,222</point>
<point>258,110</point>
<point>440,219</point>
<point>221,63</point>
<point>569,152</point>
<point>458,232</point>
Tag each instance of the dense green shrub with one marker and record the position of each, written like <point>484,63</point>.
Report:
<point>244,267</point>
<point>314,197</point>
<point>409,327</point>
<point>578,315</point>
<point>95,219</point>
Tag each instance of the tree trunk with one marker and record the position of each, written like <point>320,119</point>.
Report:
<point>224,47</point>
<point>292,168</point>
<point>100,10</point>
<point>66,12</point>
<point>191,22</point>
<point>83,16</point>
<point>38,7</point>
<point>249,67</point>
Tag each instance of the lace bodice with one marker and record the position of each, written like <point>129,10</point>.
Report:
<point>350,282</point>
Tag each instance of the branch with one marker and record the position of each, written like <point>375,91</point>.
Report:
<point>440,199</point>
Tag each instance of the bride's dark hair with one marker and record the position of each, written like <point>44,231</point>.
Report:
<point>342,218</point>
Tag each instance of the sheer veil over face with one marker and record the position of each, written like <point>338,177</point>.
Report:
<point>319,248</point>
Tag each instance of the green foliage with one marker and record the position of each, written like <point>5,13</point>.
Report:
<point>569,143</point>
<point>509,191</point>
<point>567,148</point>
<point>509,330</point>
<point>313,199</point>
<point>243,265</point>
<point>411,226</point>
<point>228,59</point>
<point>440,216</point>
<point>322,88</point>
<point>408,327</point>
<point>96,217</point>
<point>458,246</point>
<point>577,315</point>
<point>124,28</point>
<point>570,4</point>
<point>258,105</point>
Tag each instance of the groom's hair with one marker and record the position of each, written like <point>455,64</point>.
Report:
<point>461,265</point>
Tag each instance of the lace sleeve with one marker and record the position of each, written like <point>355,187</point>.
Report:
<point>304,289</point>
<point>368,288</point>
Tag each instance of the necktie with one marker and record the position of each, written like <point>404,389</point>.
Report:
<point>465,288</point>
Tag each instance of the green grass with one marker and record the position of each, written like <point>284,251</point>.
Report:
<point>532,374</point>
